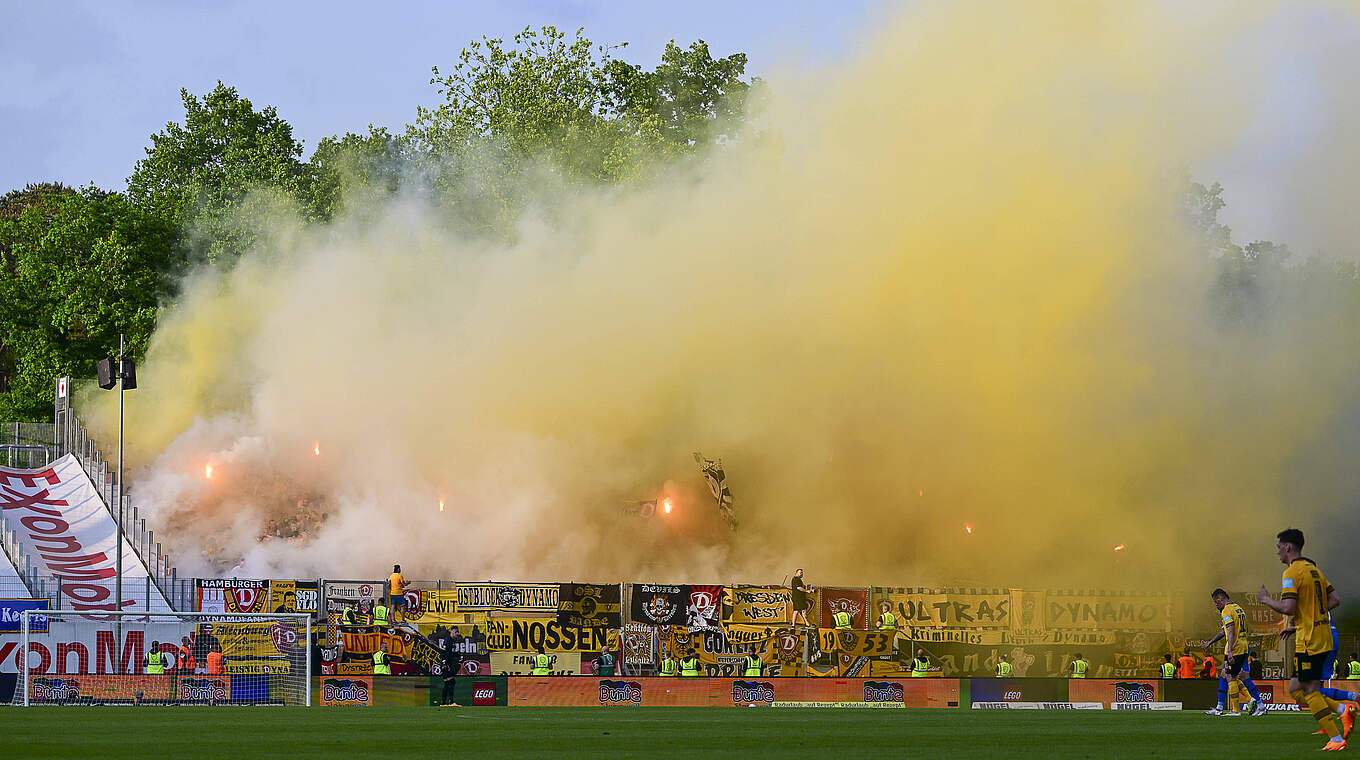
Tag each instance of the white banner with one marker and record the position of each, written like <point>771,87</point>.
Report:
<point>83,646</point>
<point>11,585</point>
<point>68,533</point>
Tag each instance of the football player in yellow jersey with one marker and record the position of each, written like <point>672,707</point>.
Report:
<point>1232,679</point>
<point>1308,599</point>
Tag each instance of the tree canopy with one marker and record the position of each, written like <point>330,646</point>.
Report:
<point>79,268</point>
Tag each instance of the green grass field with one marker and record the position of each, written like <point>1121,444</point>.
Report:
<point>653,732</point>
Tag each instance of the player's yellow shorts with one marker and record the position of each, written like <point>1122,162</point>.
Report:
<point>1309,667</point>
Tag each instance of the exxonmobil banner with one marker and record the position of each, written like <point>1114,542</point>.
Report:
<point>67,532</point>
<point>79,645</point>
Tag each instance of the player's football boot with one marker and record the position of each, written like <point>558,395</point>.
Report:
<point>1347,720</point>
<point>1249,708</point>
<point>1332,746</point>
<point>1260,709</point>
<point>1216,711</point>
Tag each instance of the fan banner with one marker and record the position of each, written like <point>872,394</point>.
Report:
<point>952,609</point>
<point>658,605</point>
<point>1036,611</point>
<point>405,648</point>
<point>703,612</point>
<point>852,600</point>
<point>522,663</point>
<point>639,644</point>
<point>226,595</point>
<point>433,607</point>
<point>855,643</point>
<point>757,604</point>
<point>294,596</point>
<point>527,634</point>
<point>723,652</point>
<point>587,605</point>
<point>509,599</point>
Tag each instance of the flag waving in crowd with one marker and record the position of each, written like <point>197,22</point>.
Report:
<point>717,483</point>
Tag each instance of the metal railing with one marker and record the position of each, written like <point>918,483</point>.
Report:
<point>72,437</point>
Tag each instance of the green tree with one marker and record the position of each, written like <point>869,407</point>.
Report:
<point>691,98</point>
<point>520,123</point>
<point>200,174</point>
<point>353,166</point>
<point>78,269</point>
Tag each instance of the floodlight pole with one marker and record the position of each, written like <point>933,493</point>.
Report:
<point>118,582</point>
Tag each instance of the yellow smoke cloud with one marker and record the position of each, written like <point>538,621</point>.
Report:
<point>949,284</point>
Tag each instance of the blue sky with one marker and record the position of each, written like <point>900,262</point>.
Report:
<point>85,84</point>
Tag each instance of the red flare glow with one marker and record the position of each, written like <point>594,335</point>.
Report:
<point>1119,548</point>
<point>207,471</point>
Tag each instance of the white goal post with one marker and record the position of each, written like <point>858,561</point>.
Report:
<point>164,658</point>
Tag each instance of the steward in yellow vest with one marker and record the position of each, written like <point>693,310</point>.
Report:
<point>1354,668</point>
<point>920,666</point>
<point>380,666</point>
<point>1003,668</point>
<point>542,664</point>
<point>1079,667</point>
<point>1168,667</point>
<point>379,614</point>
<point>669,666</point>
<point>689,666</point>
<point>155,660</point>
<point>347,617</point>
<point>842,619</point>
<point>754,669</point>
<point>887,621</point>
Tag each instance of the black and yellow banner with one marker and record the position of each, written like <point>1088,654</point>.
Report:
<point>527,634</point>
<point>587,605</point>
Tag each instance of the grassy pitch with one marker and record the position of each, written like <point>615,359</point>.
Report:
<point>652,732</point>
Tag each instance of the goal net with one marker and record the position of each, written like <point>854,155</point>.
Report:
<point>183,658</point>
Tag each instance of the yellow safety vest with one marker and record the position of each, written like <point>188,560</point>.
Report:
<point>1003,669</point>
<point>753,667</point>
<point>1354,670</point>
<point>668,667</point>
<point>1168,670</point>
<point>1079,668</point>
<point>155,663</point>
<point>380,666</point>
<point>542,665</point>
<point>347,617</point>
<point>887,622</point>
<point>689,667</point>
<point>842,620</point>
<point>919,666</point>
<point>380,614</point>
